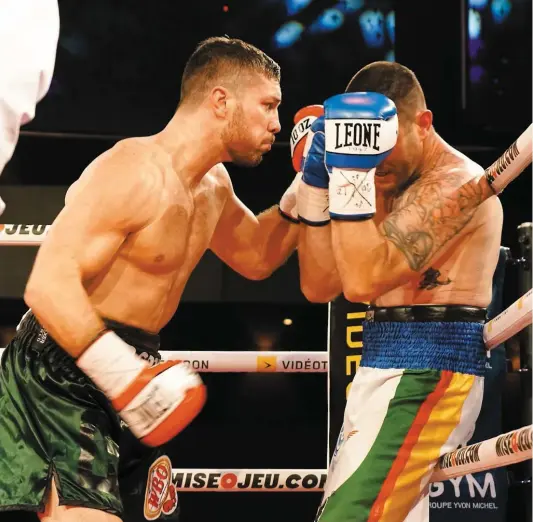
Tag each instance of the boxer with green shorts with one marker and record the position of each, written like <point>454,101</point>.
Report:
<point>56,423</point>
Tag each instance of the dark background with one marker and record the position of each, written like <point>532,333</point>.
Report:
<point>118,73</point>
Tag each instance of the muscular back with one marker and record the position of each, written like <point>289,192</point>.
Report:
<point>142,281</point>
<point>446,235</point>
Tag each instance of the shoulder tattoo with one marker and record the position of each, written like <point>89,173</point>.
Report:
<point>430,213</point>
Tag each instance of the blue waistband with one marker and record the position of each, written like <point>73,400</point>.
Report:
<point>453,346</point>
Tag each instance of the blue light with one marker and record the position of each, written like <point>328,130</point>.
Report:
<point>372,28</point>
<point>390,22</point>
<point>500,10</point>
<point>330,20</point>
<point>287,34</point>
<point>477,4</point>
<point>476,73</point>
<point>350,6</point>
<point>474,24</point>
<point>390,56</point>
<point>474,47</point>
<point>295,6</point>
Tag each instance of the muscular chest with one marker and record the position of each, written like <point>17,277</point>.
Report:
<point>179,236</point>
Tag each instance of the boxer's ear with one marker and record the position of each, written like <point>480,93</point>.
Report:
<point>424,121</point>
<point>219,99</point>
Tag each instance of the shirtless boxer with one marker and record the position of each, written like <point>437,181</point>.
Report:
<point>110,275</point>
<point>422,250</point>
<point>29,30</point>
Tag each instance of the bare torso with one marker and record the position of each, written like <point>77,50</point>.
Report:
<point>463,273</point>
<point>144,282</point>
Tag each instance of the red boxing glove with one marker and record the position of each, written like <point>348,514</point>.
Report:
<point>303,120</point>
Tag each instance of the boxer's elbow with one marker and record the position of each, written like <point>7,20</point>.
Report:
<point>37,292</point>
<point>357,295</point>
<point>314,296</point>
<point>46,282</point>
<point>257,273</point>
<point>360,290</point>
<point>35,296</point>
<point>366,283</point>
<point>319,292</point>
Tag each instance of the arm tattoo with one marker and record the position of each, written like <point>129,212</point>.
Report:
<point>430,212</point>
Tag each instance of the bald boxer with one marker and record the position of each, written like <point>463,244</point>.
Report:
<point>29,30</point>
<point>396,217</point>
<point>110,275</point>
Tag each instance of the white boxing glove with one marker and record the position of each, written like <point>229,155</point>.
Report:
<point>361,130</point>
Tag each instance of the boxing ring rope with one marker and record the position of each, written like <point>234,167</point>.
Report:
<point>502,327</point>
<point>22,235</point>
<point>503,450</point>
<point>498,330</point>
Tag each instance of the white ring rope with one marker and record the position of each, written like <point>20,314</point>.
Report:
<point>250,362</point>
<point>503,450</point>
<point>500,451</point>
<point>17,234</point>
<point>505,169</point>
<point>511,321</point>
<point>502,327</point>
<point>512,162</point>
<point>268,362</point>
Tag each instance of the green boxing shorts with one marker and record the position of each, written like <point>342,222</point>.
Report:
<point>55,423</point>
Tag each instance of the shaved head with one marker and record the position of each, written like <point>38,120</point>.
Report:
<point>393,80</point>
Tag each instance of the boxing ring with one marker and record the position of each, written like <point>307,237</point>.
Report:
<point>503,450</point>
<point>499,451</point>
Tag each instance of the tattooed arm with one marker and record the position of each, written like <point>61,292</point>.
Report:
<point>431,217</point>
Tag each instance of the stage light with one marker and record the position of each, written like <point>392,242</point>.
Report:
<point>328,21</point>
<point>474,47</point>
<point>477,4</point>
<point>295,6</point>
<point>287,34</point>
<point>350,6</point>
<point>476,73</point>
<point>474,24</point>
<point>287,321</point>
<point>372,28</point>
<point>500,10</point>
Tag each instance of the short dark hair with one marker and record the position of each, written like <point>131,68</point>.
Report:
<point>223,59</point>
<point>393,80</point>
